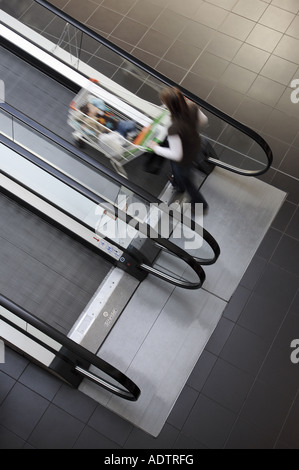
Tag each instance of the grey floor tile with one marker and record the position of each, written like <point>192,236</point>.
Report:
<point>40,381</point>
<point>210,423</point>
<point>155,43</point>
<point>280,374</point>
<point>168,22</point>
<point>288,332</point>
<point>14,364</point>
<point>277,18</point>
<point>273,126</point>
<point>110,425</point>
<point>197,36</point>
<point>75,403</point>
<point>219,336</point>
<point>171,70</point>
<point>245,350</point>
<point>209,66</point>
<point>253,10</point>
<point>16,9</point>
<point>294,309</point>
<point>236,26</point>
<point>224,46</point>
<point>286,255</point>
<point>228,386</point>
<point>289,164</point>
<point>293,227</point>
<point>237,303</point>
<point>293,28</point>
<point>56,430</point>
<point>28,446</point>
<point>279,69</point>
<point>251,113</point>
<point>296,141</point>
<point>248,435</point>
<point>264,38</point>
<point>37,17</point>
<point>210,15</point>
<point>267,408</point>
<point>281,445</point>
<point>9,440</point>
<point>284,217</point>
<point>202,370</point>
<point>225,98</point>
<point>138,439</point>
<point>103,20</point>
<point>186,442</point>
<point>268,177</point>
<point>182,407</point>
<point>288,49</point>
<point>6,384</point>
<point>177,7</point>
<point>238,78</point>
<point>91,439</point>
<point>277,284</point>
<point>188,53</point>
<point>269,244</point>
<point>266,91</point>
<point>77,9</point>
<point>129,31</point>
<point>21,410</point>
<point>202,87</point>
<point>278,147</point>
<point>289,185</point>
<point>290,430</point>
<point>263,316</point>
<point>253,273</point>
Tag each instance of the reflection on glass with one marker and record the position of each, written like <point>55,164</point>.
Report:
<point>92,57</point>
<point>6,124</point>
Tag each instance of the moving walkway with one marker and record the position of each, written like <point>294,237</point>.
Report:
<point>75,204</point>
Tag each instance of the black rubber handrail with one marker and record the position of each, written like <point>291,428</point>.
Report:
<point>166,81</point>
<point>78,153</point>
<point>207,237</point>
<point>128,390</point>
<point>142,227</point>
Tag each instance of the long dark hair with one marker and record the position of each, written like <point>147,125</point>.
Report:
<point>184,117</point>
<point>174,100</point>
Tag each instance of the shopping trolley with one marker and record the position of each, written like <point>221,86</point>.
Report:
<point>99,129</point>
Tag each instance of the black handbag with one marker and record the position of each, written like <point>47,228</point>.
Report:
<point>153,163</point>
<point>201,162</point>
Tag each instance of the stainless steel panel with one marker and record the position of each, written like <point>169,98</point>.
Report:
<point>163,330</point>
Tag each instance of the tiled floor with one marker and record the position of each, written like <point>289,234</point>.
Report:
<point>244,391</point>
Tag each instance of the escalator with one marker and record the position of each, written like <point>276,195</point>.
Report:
<point>62,239</point>
<point>45,175</point>
<point>87,54</point>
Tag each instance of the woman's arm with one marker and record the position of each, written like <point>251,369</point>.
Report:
<point>175,150</point>
<point>203,120</point>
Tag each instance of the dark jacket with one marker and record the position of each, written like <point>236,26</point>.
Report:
<point>187,130</point>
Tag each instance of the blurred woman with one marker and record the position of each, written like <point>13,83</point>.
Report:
<point>184,142</point>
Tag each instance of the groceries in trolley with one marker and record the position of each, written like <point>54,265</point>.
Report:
<point>117,135</point>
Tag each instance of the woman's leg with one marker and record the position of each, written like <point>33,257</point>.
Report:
<point>178,182</point>
<point>195,194</point>
<point>183,182</point>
